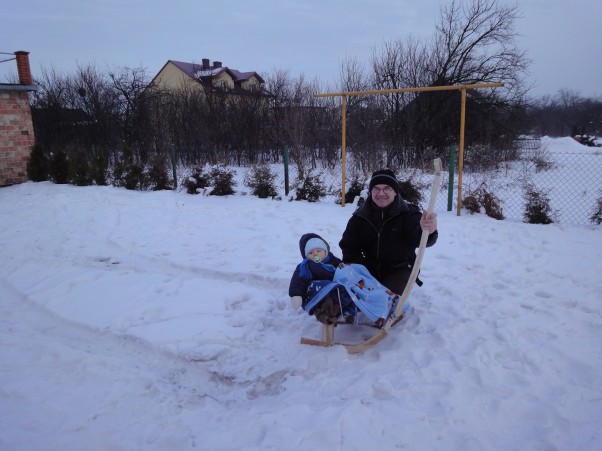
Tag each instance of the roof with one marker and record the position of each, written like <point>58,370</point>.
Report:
<point>16,87</point>
<point>196,71</point>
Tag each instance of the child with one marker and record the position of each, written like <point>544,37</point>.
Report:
<point>311,285</point>
<point>327,288</point>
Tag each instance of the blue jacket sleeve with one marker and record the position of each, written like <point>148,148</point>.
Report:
<point>298,286</point>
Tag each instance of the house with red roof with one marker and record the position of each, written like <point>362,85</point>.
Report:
<point>211,78</point>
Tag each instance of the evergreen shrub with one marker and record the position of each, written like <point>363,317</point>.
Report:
<point>355,190</point>
<point>223,181</point>
<point>158,174</point>
<point>37,166</point>
<point>58,170</point>
<point>127,173</point>
<point>310,188</point>
<point>99,169</point>
<point>197,181</point>
<point>410,192</point>
<point>596,217</point>
<point>537,207</point>
<point>261,181</point>
<point>80,173</point>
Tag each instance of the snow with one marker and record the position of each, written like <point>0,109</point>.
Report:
<point>567,145</point>
<point>161,321</point>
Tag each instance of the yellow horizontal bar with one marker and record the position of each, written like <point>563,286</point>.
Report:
<point>427,88</point>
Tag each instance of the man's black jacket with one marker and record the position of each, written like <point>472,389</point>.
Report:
<point>384,240</point>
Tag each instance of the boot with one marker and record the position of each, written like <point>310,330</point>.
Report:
<point>327,312</point>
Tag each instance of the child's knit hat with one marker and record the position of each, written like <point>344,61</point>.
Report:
<point>315,243</point>
<point>311,241</point>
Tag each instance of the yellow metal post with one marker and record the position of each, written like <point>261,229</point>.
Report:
<point>461,88</point>
<point>423,89</point>
<point>343,145</point>
<point>461,150</point>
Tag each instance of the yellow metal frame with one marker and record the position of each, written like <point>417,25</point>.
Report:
<point>462,88</point>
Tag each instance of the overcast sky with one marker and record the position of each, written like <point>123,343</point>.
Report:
<point>562,37</point>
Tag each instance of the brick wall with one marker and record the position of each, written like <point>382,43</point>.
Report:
<point>16,136</point>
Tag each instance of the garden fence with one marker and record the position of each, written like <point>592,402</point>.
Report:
<point>570,181</point>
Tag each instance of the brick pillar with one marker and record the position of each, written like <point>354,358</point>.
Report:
<point>23,68</point>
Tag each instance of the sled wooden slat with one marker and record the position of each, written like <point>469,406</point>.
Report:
<point>313,342</point>
<point>361,347</point>
<point>327,337</point>
<point>328,334</point>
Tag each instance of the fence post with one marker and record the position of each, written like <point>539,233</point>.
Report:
<point>461,149</point>
<point>285,155</point>
<point>172,152</point>
<point>450,181</point>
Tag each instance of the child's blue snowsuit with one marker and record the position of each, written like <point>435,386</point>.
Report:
<point>350,286</point>
<point>313,281</point>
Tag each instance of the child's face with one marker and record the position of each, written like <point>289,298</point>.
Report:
<point>317,255</point>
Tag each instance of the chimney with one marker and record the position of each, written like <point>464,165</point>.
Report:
<point>23,68</point>
<point>205,63</point>
<point>217,64</point>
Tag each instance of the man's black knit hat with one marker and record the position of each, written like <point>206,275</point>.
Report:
<point>384,177</point>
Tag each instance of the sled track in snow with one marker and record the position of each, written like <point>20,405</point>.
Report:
<point>127,355</point>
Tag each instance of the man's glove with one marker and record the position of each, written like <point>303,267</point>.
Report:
<point>296,302</point>
<point>327,312</point>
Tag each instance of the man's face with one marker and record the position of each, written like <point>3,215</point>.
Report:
<point>382,195</point>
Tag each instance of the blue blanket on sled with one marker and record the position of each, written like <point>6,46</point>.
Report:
<point>356,289</point>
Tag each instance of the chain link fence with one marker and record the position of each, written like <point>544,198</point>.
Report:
<point>569,180</point>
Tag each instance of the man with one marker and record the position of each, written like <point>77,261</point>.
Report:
<point>385,231</point>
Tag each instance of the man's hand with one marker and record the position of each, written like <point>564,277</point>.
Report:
<point>429,221</point>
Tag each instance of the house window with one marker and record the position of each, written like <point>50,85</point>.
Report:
<point>224,85</point>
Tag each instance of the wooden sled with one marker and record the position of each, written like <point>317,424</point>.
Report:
<point>328,338</point>
<point>397,315</point>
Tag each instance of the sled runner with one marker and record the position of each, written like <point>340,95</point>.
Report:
<point>402,305</point>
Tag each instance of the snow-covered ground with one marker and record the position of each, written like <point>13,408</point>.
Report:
<point>161,321</point>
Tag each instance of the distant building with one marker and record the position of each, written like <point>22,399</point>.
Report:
<point>16,127</point>
<point>211,78</point>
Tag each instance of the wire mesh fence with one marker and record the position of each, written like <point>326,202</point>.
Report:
<point>569,180</point>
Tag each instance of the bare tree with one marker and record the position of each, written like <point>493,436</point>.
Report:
<point>49,111</point>
<point>474,42</point>
<point>352,77</point>
<point>129,85</point>
<point>364,116</point>
<point>295,112</point>
<point>566,114</point>
<point>90,91</point>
